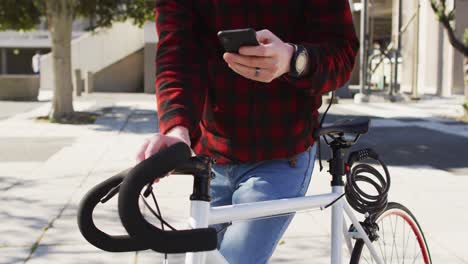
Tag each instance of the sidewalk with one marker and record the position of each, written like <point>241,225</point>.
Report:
<point>45,169</point>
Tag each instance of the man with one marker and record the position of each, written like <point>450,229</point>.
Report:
<point>36,62</point>
<point>255,112</point>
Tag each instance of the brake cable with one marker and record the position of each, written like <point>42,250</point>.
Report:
<point>162,224</point>
<point>320,126</point>
<point>158,214</point>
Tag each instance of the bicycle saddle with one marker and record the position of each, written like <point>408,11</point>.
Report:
<point>359,125</point>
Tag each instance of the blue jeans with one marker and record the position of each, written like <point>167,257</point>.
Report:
<point>253,241</point>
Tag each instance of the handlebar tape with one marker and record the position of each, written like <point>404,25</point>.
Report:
<point>98,238</point>
<point>157,166</point>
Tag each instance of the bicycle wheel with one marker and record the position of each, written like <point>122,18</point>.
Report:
<point>401,239</point>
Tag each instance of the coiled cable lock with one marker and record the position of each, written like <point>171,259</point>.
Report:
<point>358,199</point>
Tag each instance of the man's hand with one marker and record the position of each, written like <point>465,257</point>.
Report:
<point>262,63</point>
<point>158,142</point>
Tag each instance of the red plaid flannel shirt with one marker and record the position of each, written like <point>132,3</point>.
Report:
<point>229,117</point>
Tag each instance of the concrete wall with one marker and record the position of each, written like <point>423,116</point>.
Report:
<point>408,43</point>
<point>150,56</point>
<point>19,87</point>
<point>149,67</point>
<point>125,75</point>
<point>94,52</point>
<point>429,48</point>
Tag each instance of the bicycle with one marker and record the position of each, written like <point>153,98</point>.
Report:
<point>373,240</point>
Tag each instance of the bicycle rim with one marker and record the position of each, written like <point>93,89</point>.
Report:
<point>401,239</point>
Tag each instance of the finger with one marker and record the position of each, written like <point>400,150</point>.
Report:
<point>141,152</point>
<point>260,51</point>
<point>249,73</point>
<point>250,61</point>
<point>265,36</point>
<point>153,147</point>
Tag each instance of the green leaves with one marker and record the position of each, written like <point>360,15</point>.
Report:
<point>105,12</point>
<point>451,15</point>
<point>141,11</point>
<point>26,14</point>
<point>19,14</point>
<point>440,9</point>
<point>435,5</point>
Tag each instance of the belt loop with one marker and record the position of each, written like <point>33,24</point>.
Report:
<point>292,161</point>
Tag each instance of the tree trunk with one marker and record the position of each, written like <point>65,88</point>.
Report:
<point>466,86</point>
<point>60,14</point>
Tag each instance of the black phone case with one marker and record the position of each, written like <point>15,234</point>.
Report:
<point>232,40</point>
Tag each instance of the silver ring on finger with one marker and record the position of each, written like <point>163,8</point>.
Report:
<point>257,72</point>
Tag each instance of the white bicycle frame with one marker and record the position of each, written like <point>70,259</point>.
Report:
<point>202,215</point>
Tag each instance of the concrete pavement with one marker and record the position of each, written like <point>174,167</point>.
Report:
<point>45,169</point>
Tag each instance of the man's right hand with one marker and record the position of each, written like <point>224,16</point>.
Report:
<point>158,142</point>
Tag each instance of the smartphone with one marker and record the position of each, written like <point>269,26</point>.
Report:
<point>233,39</point>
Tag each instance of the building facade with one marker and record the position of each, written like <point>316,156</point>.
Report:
<point>428,64</point>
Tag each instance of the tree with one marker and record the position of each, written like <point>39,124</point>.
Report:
<point>446,17</point>
<point>26,14</point>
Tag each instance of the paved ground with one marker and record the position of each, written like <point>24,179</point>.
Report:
<point>45,169</point>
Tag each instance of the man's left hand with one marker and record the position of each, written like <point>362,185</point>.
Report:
<point>262,63</point>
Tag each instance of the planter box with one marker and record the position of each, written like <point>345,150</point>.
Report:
<point>19,87</point>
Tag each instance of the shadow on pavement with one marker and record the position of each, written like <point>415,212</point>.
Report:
<point>412,146</point>
<point>406,145</point>
<point>126,120</point>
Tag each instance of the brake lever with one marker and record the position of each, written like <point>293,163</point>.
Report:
<point>148,190</point>
<point>110,194</point>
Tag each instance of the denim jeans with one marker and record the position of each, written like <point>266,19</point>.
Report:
<point>253,241</point>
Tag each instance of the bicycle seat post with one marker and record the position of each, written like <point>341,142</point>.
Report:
<point>337,170</point>
<point>337,162</point>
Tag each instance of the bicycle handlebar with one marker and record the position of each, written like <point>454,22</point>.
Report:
<point>98,238</point>
<point>157,166</point>
<point>142,234</point>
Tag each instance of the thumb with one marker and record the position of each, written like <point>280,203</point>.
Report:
<point>265,36</point>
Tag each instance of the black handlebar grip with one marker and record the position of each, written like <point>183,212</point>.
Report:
<point>121,243</point>
<point>158,165</point>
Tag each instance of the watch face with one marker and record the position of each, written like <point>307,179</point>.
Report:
<point>301,62</point>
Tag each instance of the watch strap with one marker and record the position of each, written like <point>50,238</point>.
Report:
<point>293,72</point>
<point>292,66</point>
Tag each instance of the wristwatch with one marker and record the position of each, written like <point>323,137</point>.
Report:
<point>299,61</point>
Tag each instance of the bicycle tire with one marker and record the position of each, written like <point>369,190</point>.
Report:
<point>399,212</point>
